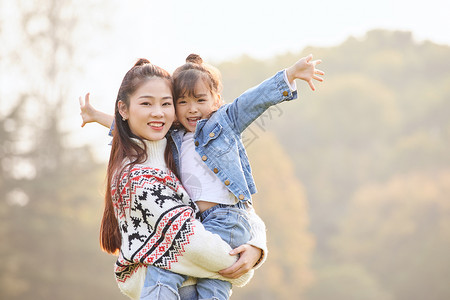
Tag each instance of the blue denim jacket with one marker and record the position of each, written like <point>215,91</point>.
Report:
<point>218,139</point>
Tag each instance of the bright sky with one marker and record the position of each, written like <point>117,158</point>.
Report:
<point>169,30</point>
<point>165,32</point>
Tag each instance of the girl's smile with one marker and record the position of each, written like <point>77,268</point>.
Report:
<point>192,108</point>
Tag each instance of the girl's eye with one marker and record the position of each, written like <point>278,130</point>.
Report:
<point>182,102</point>
<point>201,100</point>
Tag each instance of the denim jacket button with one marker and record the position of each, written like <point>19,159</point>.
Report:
<point>227,182</point>
<point>241,197</point>
<point>285,93</point>
<point>215,170</point>
<point>204,158</point>
<point>196,143</point>
<point>211,134</point>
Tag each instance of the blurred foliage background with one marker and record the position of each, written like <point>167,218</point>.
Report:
<point>354,179</point>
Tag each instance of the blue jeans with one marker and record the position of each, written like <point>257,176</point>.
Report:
<point>161,284</point>
<point>231,223</point>
<point>188,292</point>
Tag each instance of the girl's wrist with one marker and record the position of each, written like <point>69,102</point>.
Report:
<point>290,75</point>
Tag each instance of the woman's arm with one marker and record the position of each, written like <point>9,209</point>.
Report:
<point>159,209</point>
<point>259,238</point>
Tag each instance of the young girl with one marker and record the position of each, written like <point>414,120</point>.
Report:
<point>149,219</point>
<point>209,152</point>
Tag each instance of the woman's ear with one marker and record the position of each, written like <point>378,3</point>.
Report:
<point>123,109</point>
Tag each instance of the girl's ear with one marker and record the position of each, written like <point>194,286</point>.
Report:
<point>219,102</point>
<point>123,110</point>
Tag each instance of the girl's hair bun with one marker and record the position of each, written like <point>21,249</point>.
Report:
<point>141,61</point>
<point>194,58</point>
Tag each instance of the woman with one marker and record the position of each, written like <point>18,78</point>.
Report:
<point>148,217</point>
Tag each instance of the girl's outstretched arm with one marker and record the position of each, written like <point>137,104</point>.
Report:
<point>272,91</point>
<point>89,114</point>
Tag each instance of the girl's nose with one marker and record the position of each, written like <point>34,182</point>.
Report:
<point>192,108</point>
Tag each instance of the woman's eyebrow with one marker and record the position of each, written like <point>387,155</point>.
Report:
<point>152,97</point>
<point>146,96</point>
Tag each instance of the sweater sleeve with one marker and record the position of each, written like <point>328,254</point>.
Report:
<point>207,254</point>
<point>158,227</point>
<point>259,239</point>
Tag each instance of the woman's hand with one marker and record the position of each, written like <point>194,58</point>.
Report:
<point>249,256</point>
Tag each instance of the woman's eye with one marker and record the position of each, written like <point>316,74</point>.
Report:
<point>145,103</point>
<point>167,104</point>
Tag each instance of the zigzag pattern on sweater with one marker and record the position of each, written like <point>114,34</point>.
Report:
<point>124,272</point>
<point>168,240</point>
<point>177,247</point>
<point>163,248</point>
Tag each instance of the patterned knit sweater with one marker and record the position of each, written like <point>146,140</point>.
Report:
<point>157,223</point>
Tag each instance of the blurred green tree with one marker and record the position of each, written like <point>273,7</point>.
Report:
<point>380,116</point>
<point>50,204</point>
<point>400,231</point>
<point>350,282</point>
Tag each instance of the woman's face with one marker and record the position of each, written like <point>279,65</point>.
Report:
<point>151,111</point>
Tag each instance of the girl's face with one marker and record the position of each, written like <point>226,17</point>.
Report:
<point>190,109</point>
<point>151,111</point>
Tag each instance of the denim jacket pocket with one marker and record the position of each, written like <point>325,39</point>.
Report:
<point>217,140</point>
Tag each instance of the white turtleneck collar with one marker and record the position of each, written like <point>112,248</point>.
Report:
<point>155,153</point>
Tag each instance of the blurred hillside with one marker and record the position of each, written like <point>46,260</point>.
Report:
<point>353,179</point>
<point>370,147</point>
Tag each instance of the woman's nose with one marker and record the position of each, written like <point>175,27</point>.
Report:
<point>156,111</point>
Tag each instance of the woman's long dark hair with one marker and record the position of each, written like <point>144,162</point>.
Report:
<point>123,149</point>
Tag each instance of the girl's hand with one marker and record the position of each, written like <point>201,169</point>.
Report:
<point>88,112</point>
<point>305,69</point>
<point>249,255</point>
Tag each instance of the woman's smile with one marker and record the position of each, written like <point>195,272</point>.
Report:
<point>151,111</point>
<point>156,125</point>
